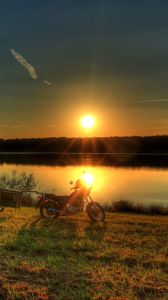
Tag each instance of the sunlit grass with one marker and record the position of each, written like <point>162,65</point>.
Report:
<point>125,257</point>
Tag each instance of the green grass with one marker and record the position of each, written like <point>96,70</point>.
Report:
<point>124,258</point>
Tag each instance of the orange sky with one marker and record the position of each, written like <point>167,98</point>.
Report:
<point>104,58</point>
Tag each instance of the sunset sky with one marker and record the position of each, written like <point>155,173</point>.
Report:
<point>63,59</point>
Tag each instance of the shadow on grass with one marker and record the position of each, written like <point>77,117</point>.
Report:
<point>58,250</point>
<point>95,231</point>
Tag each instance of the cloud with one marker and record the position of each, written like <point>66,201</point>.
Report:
<point>15,126</point>
<point>47,82</point>
<point>152,100</point>
<point>32,72</point>
<point>19,126</point>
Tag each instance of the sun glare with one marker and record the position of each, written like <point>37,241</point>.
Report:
<point>87,121</point>
<point>91,176</point>
<point>88,178</point>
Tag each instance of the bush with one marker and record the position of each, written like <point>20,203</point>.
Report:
<point>130,207</point>
<point>18,181</point>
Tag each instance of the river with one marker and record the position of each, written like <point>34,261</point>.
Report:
<point>142,184</point>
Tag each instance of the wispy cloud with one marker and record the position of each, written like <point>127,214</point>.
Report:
<point>18,126</point>
<point>47,82</point>
<point>152,100</point>
<point>14,126</point>
<point>31,70</point>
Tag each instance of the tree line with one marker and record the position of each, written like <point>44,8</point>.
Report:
<point>130,144</point>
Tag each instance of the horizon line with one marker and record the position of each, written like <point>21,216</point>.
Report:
<point>85,137</point>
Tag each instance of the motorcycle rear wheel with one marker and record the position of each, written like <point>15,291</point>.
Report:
<point>95,211</point>
<point>45,213</point>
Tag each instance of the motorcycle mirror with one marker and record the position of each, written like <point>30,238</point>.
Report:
<point>71,182</point>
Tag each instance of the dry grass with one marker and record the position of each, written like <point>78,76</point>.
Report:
<point>124,258</point>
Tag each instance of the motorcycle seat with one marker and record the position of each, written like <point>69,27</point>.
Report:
<point>56,197</point>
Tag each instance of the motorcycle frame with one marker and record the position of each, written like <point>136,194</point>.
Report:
<point>88,199</point>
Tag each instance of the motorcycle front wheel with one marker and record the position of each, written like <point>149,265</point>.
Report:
<point>95,211</point>
<point>46,213</point>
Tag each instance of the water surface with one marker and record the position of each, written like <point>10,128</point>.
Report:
<point>142,184</point>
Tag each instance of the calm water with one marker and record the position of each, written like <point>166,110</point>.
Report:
<point>143,185</point>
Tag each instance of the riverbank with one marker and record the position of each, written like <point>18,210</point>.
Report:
<point>126,206</point>
<point>123,258</point>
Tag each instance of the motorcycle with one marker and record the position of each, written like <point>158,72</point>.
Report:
<point>52,206</point>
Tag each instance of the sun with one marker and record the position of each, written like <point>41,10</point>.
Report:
<point>88,121</point>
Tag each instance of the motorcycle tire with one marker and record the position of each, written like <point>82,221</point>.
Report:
<point>95,211</point>
<point>45,213</point>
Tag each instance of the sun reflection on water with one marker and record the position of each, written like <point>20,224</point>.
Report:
<point>88,178</point>
<point>91,176</point>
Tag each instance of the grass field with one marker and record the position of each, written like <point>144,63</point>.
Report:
<point>124,258</point>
